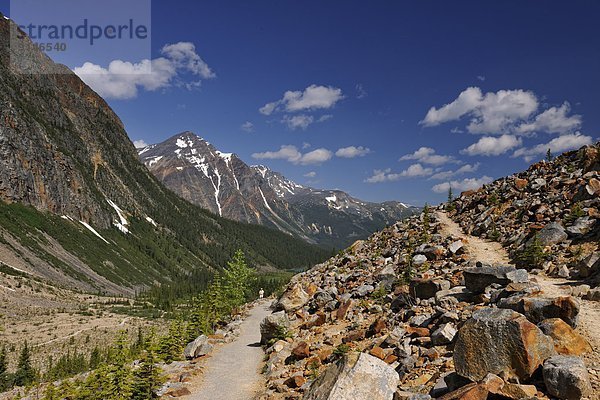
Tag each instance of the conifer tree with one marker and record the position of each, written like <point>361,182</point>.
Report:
<point>95,358</point>
<point>4,379</point>
<point>147,378</point>
<point>25,374</point>
<point>238,279</point>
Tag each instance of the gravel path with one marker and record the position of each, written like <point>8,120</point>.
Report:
<point>233,371</point>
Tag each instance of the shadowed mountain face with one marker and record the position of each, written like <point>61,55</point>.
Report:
<point>225,185</point>
<point>76,205</point>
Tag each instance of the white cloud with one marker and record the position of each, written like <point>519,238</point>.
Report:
<point>465,169</point>
<point>492,113</point>
<point>384,175</point>
<point>306,145</point>
<point>426,155</point>
<point>312,98</point>
<point>301,121</point>
<point>462,185</point>
<point>493,146</point>
<point>352,151</point>
<point>416,170</point>
<point>317,156</point>
<point>553,120</point>
<point>325,117</point>
<point>247,127</point>
<point>184,55</point>
<point>123,79</point>
<point>292,154</point>
<point>140,144</point>
<point>310,174</point>
<point>556,145</point>
<point>481,78</point>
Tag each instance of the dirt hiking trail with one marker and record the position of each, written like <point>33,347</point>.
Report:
<point>233,370</point>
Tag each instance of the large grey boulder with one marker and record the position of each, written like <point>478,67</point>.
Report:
<point>581,226</point>
<point>566,377</point>
<point>478,278</point>
<point>273,326</point>
<point>552,233</point>
<point>198,347</point>
<point>357,376</point>
<point>501,342</point>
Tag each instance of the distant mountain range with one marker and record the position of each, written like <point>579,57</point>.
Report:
<point>224,184</point>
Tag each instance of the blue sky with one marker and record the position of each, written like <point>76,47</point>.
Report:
<point>417,95</point>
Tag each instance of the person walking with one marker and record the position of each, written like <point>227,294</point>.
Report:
<point>261,293</point>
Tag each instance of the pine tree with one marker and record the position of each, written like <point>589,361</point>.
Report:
<point>549,156</point>
<point>4,379</point>
<point>95,358</point>
<point>450,194</point>
<point>25,374</point>
<point>238,278</point>
<point>147,378</point>
<point>51,393</point>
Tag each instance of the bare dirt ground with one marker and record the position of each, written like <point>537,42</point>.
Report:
<point>54,320</point>
<point>493,252</point>
<point>233,370</point>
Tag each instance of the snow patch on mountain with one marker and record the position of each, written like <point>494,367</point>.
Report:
<point>122,223</point>
<point>93,231</point>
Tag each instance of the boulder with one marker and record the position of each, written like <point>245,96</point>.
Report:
<point>419,260</point>
<point>566,377</point>
<point>581,226</point>
<point>501,342</point>
<point>427,288</point>
<point>593,295</point>
<point>457,247</point>
<point>472,391</point>
<point>294,298</point>
<point>589,265</point>
<point>363,290</point>
<point>537,309</point>
<point>443,335</point>
<point>552,233</point>
<point>301,350</point>
<point>273,326</point>
<point>566,340</point>
<point>478,278</point>
<point>357,376</point>
<point>198,347</point>
<point>521,184</point>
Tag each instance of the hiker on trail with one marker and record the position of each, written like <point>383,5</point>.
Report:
<point>261,293</point>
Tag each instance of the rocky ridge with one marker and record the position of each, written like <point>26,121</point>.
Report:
<point>432,312</point>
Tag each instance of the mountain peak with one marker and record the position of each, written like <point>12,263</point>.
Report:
<point>222,183</point>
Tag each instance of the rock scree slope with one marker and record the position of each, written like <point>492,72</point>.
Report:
<point>457,315</point>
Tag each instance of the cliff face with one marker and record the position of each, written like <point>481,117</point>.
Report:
<point>224,184</point>
<point>62,148</point>
<point>78,207</point>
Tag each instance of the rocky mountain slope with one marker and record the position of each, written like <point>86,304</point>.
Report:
<point>225,185</point>
<point>76,205</point>
<point>424,310</point>
<point>557,201</point>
